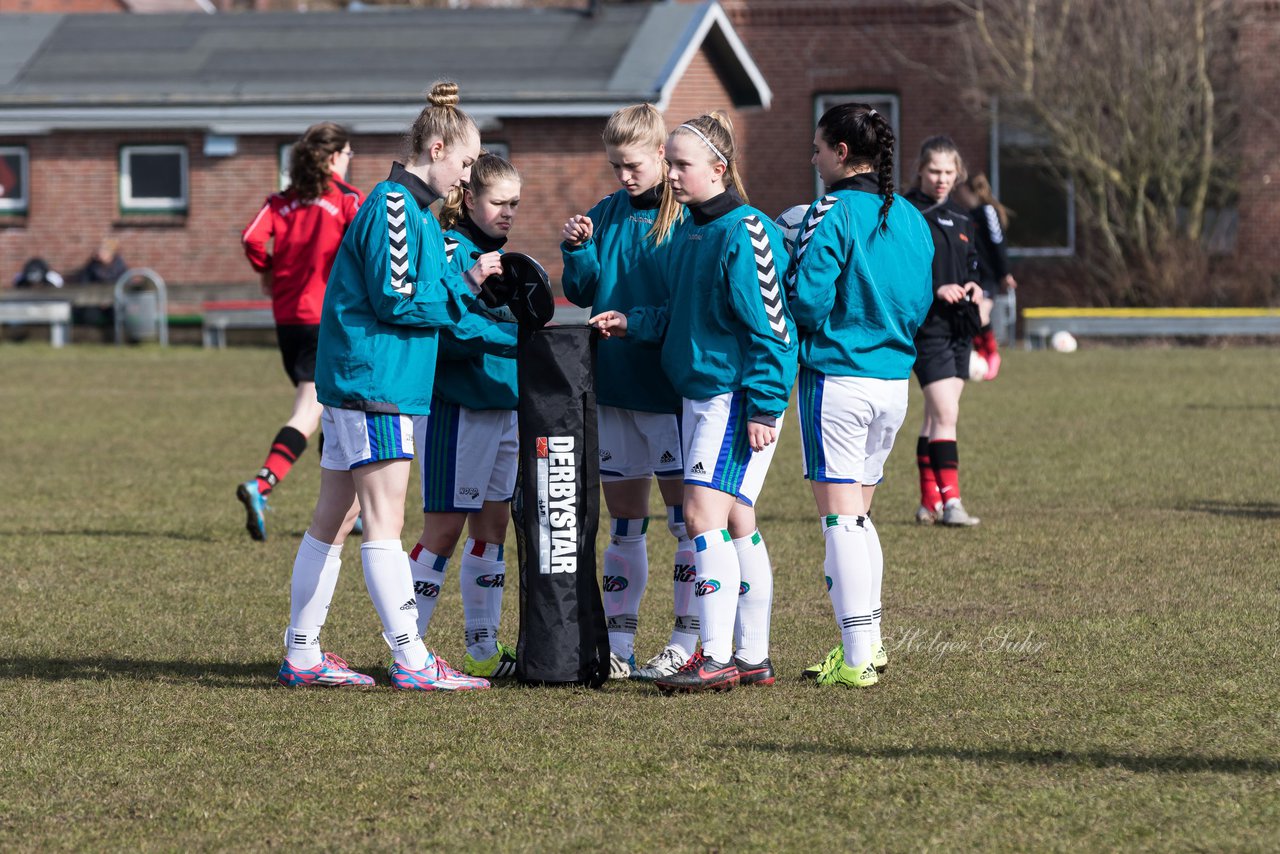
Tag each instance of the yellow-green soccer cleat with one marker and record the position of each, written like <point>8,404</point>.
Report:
<point>836,672</point>
<point>814,670</point>
<point>497,666</point>
<point>880,658</point>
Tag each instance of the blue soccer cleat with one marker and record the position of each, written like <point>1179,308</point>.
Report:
<point>255,506</point>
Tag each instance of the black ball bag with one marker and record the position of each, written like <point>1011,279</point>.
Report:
<point>563,638</point>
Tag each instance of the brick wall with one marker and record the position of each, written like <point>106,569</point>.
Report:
<point>74,191</point>
<point>805,49</point>
<point>74,197</point>
<point>1259,43</point>
<point>60,7</point>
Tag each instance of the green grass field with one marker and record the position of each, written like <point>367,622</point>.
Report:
<point>1095,667</point>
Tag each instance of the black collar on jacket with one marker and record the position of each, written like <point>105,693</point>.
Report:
<point>472,232</point>
<point>648,200</point>
<point>343,186</point>
<point>416,186</point>
<point>928,205</point>
<point>863,182</point>
<point>715,207</point>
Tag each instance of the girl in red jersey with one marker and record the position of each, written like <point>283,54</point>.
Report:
<point>304,226</point>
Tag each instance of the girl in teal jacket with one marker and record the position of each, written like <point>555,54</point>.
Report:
<point>614,261</point>
<point>729,348</point>
<point>859,287</point>
<point>389,293</point>
<point>468,447</point>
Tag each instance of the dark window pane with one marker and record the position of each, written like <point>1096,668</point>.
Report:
<point>11,187</point>
<point>1037,201</point>
<point>156,176</point>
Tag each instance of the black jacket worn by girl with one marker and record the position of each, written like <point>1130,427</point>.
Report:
<point>955,257</point>
<point>993,253</point>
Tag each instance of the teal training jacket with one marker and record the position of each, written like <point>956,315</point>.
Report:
<point>620,268</point>
<point>389,293</point>
<point>464,376</point>
<point>859,293</point>
<point>726,326</point>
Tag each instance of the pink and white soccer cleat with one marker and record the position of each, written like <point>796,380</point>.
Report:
<point>437,676</point>
<point>331,672</point>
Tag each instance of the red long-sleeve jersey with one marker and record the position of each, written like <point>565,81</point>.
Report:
<point>304,239</point>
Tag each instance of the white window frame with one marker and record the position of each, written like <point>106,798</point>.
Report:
<point>20,204</point>
<point>132,204</point>
<point>1067,251</point>
<point>825,101</point>
<point>283,163</point>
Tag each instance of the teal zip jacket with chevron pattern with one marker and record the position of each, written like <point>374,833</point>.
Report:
<point>726,327</point>
<point>858,293</point>
<point>389,293</point>
<point>463,376</point>
<point>617,269</point>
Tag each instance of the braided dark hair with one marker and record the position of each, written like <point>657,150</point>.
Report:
<point>869,139</point>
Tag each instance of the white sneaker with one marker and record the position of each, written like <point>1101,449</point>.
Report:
<point>619,667</point>
<point>925,516</point>
<point>665,663</point>
<point>955,515</point>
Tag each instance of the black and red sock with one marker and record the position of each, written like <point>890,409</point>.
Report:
<point>285,450</point>
<point>945,458</point>
<point>929,495</point>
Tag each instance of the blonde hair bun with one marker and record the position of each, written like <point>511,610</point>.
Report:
<point>444,94</point>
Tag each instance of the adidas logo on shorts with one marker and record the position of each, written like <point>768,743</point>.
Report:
<point>411,605</point>
<point>697,469</point>
<point>667,458</point>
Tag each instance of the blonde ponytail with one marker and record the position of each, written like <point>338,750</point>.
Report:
<point>715,131</point>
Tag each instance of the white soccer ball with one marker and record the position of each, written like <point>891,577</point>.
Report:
<point>977,367</point>
<point>789,221</point>
<point>1064,342</point>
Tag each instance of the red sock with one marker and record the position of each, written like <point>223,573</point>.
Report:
<point>946,466</point>
<point>285,450</point>
<point>929,495</point>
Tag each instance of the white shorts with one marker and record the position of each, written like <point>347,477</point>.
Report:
<point>637,444</point>
<point>717,451</point>
<point>354,438</point>
<point>847,426</point>
<point>467,456</point>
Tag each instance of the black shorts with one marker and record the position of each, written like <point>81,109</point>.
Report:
<point>298,351</point>
<point>940,358</point>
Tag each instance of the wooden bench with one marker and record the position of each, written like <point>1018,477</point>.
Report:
<point>55,313</point>
<point>1039,324</point>
<point>218,317</point>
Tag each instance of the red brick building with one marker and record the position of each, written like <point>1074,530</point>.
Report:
<point>167,131</point>
<point>81,98</point>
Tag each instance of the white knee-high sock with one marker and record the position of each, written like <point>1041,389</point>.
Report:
<point>386,575</point>
<point>684,634</point>
<point>482,579</point>
<point>849,567</point>
<point>315,575</point>
<point>877,577</point>
<point>626,573</point>
<point>428,571</point>
<point>718,577</point>
<point>755,598</point>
